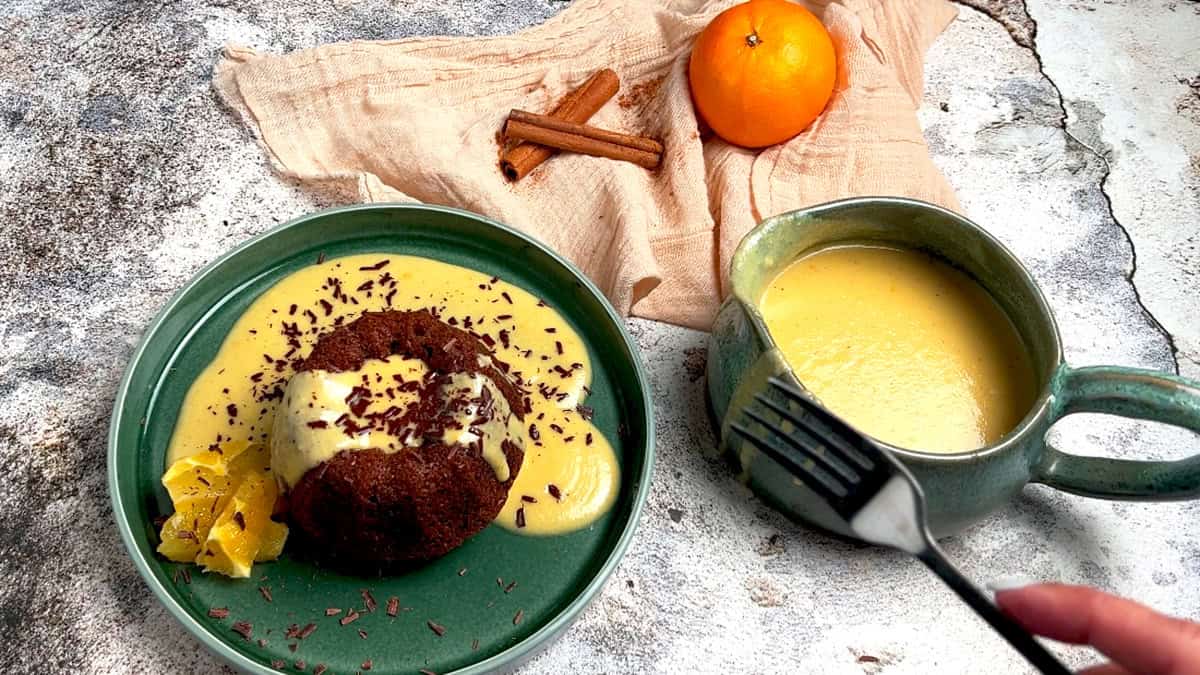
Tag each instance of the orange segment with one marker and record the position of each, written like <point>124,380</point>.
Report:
<point>223,502</point>
<point>273,538</point>
<point>234,540</point>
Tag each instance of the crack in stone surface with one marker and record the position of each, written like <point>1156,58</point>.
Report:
<point>1014,17</point>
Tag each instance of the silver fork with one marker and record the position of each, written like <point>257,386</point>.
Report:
<point>873,492</point>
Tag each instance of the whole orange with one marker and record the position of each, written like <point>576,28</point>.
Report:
<point>762,71</point>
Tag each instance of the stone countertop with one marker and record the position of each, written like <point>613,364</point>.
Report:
<point>1070,130</point>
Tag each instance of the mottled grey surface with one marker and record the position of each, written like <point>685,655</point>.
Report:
<point>1070,129</point>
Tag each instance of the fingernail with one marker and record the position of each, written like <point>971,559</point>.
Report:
<point>1009,583</point>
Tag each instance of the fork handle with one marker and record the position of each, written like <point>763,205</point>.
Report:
<point>1017,636</point>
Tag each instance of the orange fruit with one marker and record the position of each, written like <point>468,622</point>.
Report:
<point>762,71</point>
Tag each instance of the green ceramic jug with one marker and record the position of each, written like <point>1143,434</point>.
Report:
<point>961,488</point>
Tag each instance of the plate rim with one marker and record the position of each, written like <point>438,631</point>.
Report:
<point>511,656</point>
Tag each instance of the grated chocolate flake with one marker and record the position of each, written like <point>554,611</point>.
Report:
<point>554,492</point>
<point>368,600</point>
<point>393,606</point>
<point>243,628</point>
<point>437,628</point>
<point>219,612</point>
<point>291,632</point>
<point>521,517</point>
<point>585,412</point>
<point>518,616</point>
<point>362,633</point>
<point>332,611</point>
<point>308,629</point>
<point>187,576</point>
<point>506,296</point>
<point>352,616</point>
<point>587,440</point>
<point>376,267</point>
<point>510,587</point>
<point>319,669</point>
<point>528,500</point>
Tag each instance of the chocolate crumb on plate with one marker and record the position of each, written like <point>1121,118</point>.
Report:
<point>319,669</point>
<point>437,628</point>
<point>367,665</point>
<point>554,492</point>
<point>218,612</point>
<point>362,633</point>
<point>510,587</point>
<point>518,616</point>
<point>393,605</point>
<point>265,592</point>
<point>353,615</point>
<point>521,517</point>
<point>307,630</point>
<point>243,628</point>
<point>528,500</point>
<point>292,631</point>
<point>332,611</point>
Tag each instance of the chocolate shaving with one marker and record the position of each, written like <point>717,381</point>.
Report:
<point>437,628</point>
<point>219,612</point>
<point>521,517</point>
<point>332,611</point>
<point>518,616</point>
<point>510,587</point>
<point>187,576</point>
<point>243,628</point>
<point>554,491</point>
<point>308,629</point>
<point>368,599</point>
<point>319,669</point>
<point>352,616</point>
<point>588,439</point>
<point>376,267</point>
<point>507,298</point>
<point>362,633</point>
<point>585,412</point>
<point>231,409</point>
<point>474,644</point>
<point>393,606</point>
<point>318,424</point>
<point>265,592</point>
<point>321,257</point>
<point>533,432</point>
<point>240,520</point>
<point>528,500</point>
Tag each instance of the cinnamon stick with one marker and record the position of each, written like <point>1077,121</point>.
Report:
<point>584,143</point>
<point>577,106</point>
<point>548,122</point>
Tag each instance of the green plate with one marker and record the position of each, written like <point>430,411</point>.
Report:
<point>556,576</point>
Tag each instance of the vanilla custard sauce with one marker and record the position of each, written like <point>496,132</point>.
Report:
<point>902,346</point>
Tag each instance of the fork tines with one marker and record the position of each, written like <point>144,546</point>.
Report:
<point>832,459</point>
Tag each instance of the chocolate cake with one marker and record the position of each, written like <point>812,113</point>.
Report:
<point>372,506</point>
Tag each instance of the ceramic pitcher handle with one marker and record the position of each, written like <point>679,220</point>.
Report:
<point>1128,392</point>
